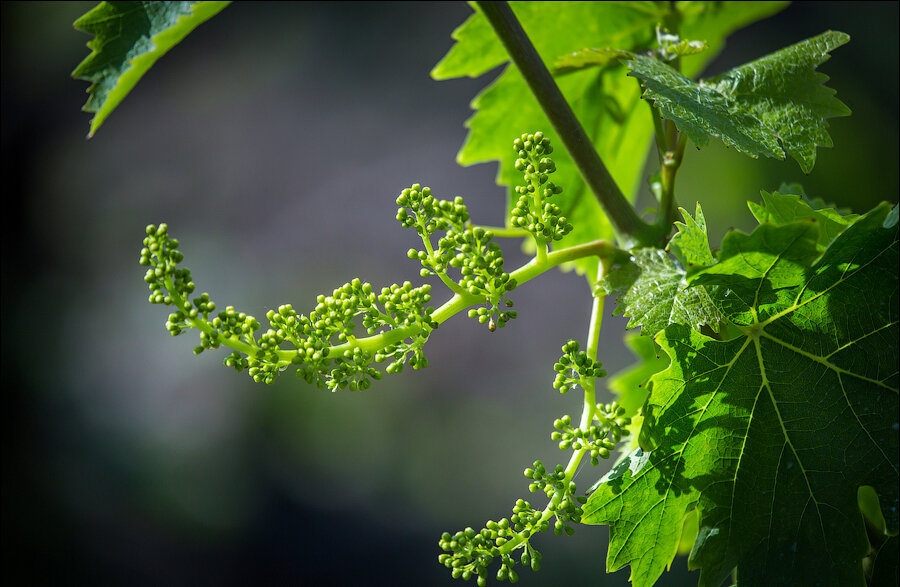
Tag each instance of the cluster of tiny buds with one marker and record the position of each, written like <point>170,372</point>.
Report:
<point>565,506</point>
<point>532,212</point>
<point>495,317</point>
<point>160,254</point>
<point>429,214</point>
<point>575,367</point>
<point>595,438</point>
<point>548,223</point>
<point>332,321</point>
<point>541,480</point>
<point>471,551</point>
<point>471,250</point>
<point>535,144</point>
<point>612,415</point>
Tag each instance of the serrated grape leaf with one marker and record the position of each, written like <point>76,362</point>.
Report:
<point>773,105</point>
<point>128,39</point>
<point>793,416</point>
<point>604,100</point>
<point>654,293</point>
<point>690,244</point>
<point>785,208</point>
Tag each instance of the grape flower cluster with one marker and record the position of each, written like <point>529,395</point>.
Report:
<point>470,250</point>
<point>533,211</point>
<point>468,553</point>
<point>322,346</point>
<point>324,349</point>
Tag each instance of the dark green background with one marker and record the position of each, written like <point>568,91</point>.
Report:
<point>273,141</point>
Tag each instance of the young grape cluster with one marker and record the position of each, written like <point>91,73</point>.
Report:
<point>533,212</point>
<point>468,553</point>
<point>322,346</point>
<point>324,349</point>
<point>470,250</point>
<point>311,339</point>
<point>575,367</point>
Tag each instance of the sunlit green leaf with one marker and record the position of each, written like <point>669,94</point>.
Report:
<point>128,39</point>
<point>653,291</point>
<point>792,416</point>
<point>770,106</point>
<point>690,244</point>
<point>605,101</point>
<point>785,208</point>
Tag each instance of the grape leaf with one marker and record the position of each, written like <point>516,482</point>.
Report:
<point>784,208</point>
<point>793,415</point>
<point>653,291</point>
<point>606,102</point>
<point>128,39</point>
<point>770,106</point>
<point>690,244</point>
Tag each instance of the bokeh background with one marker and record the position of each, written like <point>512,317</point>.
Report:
<point>273,141</point>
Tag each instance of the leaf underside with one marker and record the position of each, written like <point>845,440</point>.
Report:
<point>128,39</point>
<point>769,435</point>
<point>606,102</point>
<point>655,294</point>
<point>775,105</point>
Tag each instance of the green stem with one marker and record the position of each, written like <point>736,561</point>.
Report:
<point>451,285</point>
<point>504,232</point>
<point>662,140</point>
<point>625,220</point>
<point>671,161</point>
<point>541,249</point>
<point>459,302</point>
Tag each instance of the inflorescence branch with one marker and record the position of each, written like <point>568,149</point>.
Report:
<point>468,553</point>
<point>324,346</point>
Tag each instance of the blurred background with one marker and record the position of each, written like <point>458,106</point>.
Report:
<point>273,141</point>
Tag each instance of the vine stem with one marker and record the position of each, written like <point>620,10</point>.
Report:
<point>625,220</point>
<point>671,161</point>
<point>670,141</point>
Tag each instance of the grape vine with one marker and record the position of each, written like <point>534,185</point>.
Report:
<point>781,385</point>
